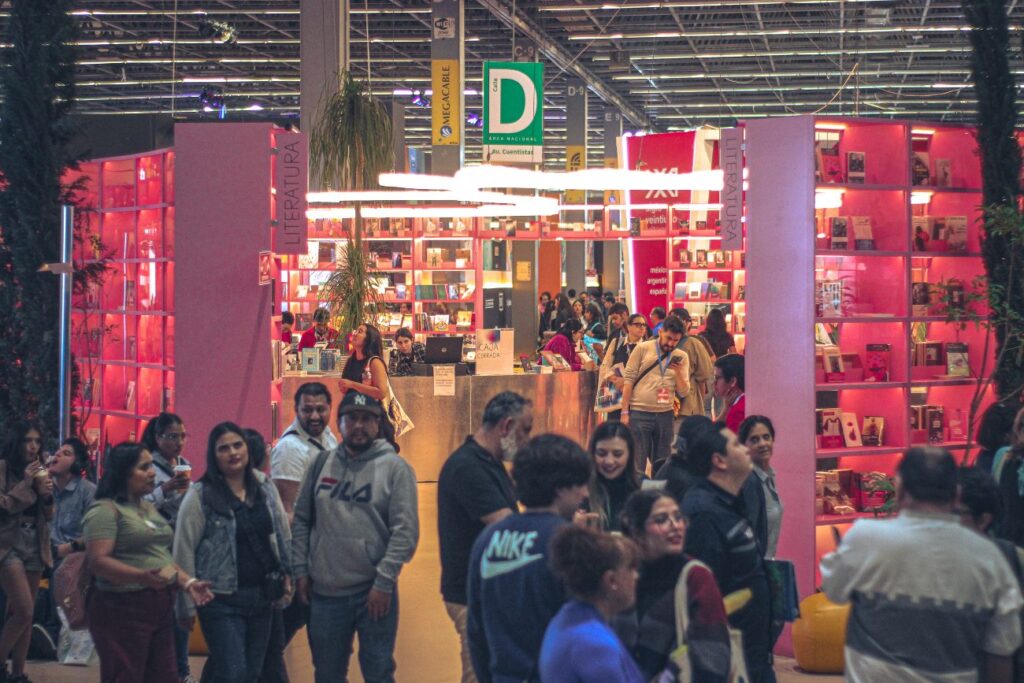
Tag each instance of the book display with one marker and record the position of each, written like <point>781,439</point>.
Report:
<point>873,287</point>
<point>123,329</point>
<point>703,276</point>
<point>430,273</point>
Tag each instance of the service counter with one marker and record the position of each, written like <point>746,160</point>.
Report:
<point>562,403</point>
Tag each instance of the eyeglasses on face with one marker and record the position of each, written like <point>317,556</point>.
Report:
<point>174,437</point>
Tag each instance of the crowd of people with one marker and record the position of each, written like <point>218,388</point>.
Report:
<point>557,563</point>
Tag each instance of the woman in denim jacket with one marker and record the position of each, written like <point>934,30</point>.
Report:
<point>233,531</point>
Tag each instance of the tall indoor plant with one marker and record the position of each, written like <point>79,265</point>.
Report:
<point>349,147</point>
<point>37,84</point>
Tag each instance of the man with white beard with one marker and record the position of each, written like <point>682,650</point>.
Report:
<point>473,491</point>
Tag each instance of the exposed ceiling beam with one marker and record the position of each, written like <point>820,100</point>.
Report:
<point>566,61</point>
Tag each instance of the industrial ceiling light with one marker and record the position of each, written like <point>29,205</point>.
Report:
<point>218,31</point>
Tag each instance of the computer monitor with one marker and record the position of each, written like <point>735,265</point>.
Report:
<point>443,350</point>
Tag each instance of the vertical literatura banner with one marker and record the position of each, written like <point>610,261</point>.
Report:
<point>731,160</point>
<point>513,111</point>
<point>291,182</point>
<point>446,109</point>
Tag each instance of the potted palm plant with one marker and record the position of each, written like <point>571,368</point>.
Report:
<point>349,147</point>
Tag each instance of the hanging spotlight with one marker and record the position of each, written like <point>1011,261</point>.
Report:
<point>419,100</point>
<point>212,99</point>
<point>218,31</point>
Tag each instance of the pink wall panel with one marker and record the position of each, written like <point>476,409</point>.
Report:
<point>779,152</point>
<point>223,362</point>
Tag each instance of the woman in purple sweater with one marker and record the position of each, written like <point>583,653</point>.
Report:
<point>564,343</point>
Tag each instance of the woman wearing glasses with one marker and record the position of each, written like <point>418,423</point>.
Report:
<point>618,352</point>
<point>164,437</point>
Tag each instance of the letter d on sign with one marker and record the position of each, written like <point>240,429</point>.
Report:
<point>494,90</point>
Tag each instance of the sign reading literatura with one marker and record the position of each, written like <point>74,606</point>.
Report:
<point>513,111</point>
<point>291,181</point>
<point>445,106</point>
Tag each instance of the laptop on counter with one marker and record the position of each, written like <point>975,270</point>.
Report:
<point>443,350</point>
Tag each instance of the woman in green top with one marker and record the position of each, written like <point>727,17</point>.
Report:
<point>131,614</point>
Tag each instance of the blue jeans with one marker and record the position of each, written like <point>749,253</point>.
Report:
<point>332,624</point>
<point>237,629</point>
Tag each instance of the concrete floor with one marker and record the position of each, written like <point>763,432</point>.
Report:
<point>427,649</point>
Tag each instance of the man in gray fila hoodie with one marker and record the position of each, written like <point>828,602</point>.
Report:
<point>356,524</point>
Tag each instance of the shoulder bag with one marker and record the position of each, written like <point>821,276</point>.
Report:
<point>400,420</point>
<point>680,657</point>
<point>72,582</point>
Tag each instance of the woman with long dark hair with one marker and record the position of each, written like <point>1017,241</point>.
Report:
<point>655,523</point>
<point>165,438</point>
<point>128,542</point>
<point>716,333</point>
<point>593,321</point>
<point>364,370</point>
<point>760,495</point>
<point>233,532</point>
<point>26,503</point>
<point>615,477</point>
<point>563,312</point>
<point>565,342</point>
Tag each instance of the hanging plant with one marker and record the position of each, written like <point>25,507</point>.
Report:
<point>349,148</point>
<point>351,141</point>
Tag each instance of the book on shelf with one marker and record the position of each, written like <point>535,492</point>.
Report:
<point>956,297</point>
<point>679,291</point>
<point>463,319</point>
<point>839,233</point>
<point>928,353</point>
<point>956,233</point>
<point>702,258</point>
<point>311,359</point>
<point>920,168</point>
<point>920,297</point>
<point>864,239</point>
<point>407,320</point>
<point>956,360</point>
<point>851,431</point>
<point>956,425</point>
<point>832,358</point>
<point>683,256</point>
<point>435,257</point>
<point>876,364</point>
<point>855,167</point>
<point>873,431</point>
<point>719,258</point>
<point>943,173</point>
<point>325,252</point>
<point>129,295</point>
<point>702,226</point>
<point>440,322</point>
<point>828,298</point>
<point>829,423</point>
<point>828,167</point>
<point>921,227</point>
<point>693,290</point>
<point>936,416</point>
<point>401,291</point>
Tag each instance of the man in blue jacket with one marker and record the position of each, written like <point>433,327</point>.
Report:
<point>513,593</point>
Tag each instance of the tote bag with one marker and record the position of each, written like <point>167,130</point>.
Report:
<point>680,657</point>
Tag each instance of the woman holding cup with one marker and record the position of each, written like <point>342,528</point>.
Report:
<point>164,437</point>
<point>26,503</point>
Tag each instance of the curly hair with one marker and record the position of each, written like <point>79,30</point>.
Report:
<point>581,556</point>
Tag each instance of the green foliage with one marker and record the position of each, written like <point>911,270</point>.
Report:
<point>349,292</point>
<point>37,86</point>
<point>351,141</point>
<point>1001,244</point>
<point>350,146</point>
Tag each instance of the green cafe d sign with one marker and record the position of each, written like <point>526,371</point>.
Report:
<point>513,111</point>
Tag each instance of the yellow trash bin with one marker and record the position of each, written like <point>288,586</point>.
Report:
<point>819,635</point>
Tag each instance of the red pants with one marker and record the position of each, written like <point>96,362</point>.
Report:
<point>134,635</point>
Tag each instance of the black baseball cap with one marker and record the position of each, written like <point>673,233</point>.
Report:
<point>355,401</point>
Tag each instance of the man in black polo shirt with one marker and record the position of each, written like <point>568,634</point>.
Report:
<point>475,490</point>
<point>720,536</point>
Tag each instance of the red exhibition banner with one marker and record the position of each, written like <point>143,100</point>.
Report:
<point>291,182</point>
<point>650,274</point>
<point>661,153</point>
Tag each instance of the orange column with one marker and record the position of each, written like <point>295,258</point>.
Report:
<point>549,267</point>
